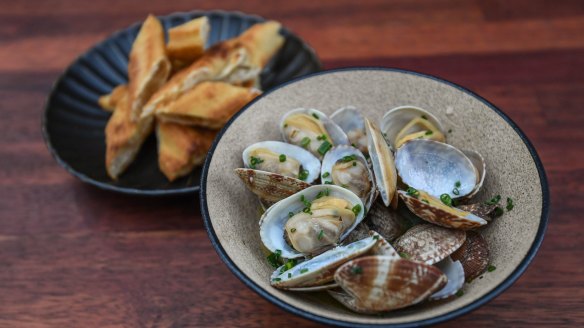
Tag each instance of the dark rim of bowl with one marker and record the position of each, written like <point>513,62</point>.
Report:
<point>127,190</point>
<point>442,318</point>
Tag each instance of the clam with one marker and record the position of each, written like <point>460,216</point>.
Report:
<point>481,167</point>
<point>473,255</point>
<point>481,210</point>
<point>434,210</point>
<point>353,123</point>
<point>310,221</point>
<point>282,158</point>
<point>346,166</point>
<point>437,168</point>
<point>405,123</point>
<point>382,247</point>
<point>428,243</point>
<point>312,130</point>
<point>373,284</point>
<point>455,274</point>
<point>388,223</point>
<point>319,271</point>
<point>383,164</point>
<point>270,187</point>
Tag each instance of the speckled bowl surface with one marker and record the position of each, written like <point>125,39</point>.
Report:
<point>231,212</point>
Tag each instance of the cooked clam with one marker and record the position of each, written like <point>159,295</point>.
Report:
<point>473,255</point>
<point>435,167</point>
<point>353,123</point>
<point>312,130</point>
<point>282,158</point>
<point>434,210</point>
<point>428,243</point>
<point>310,221</point>
<point>270,187</point>
<point>383,164</point>
<point>455,274</point>
<point>379,283</point>
<point>405,123</point>
<point>346,166</point>
<point>387,222</point>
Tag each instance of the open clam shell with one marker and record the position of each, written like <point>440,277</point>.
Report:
<point>347,167</point>
<point>382,247</point>
<point>473,255</point>
<point>436,168</point>
<point>273,221</point>
<point>481,167</point>
<point>376,284</point>
<point>383,164</point>
<point>312,130</point>
<point>320,270</point>
<point>431,209</point>
<point>455,274</point>
<point>352,122</point>
<point>396,120</point>
<point>270,187</point>
<point>428,243</point>
<point>294,159</point>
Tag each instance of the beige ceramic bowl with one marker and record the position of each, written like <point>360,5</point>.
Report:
<point>231,212</point>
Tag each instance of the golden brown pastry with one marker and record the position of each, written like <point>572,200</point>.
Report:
<point>263,41</point>
<point>181,148</point>
<point>124,137</point>
<point>148,67</point>
<point>108,102</point>
<point>186,42</point>
<point>208,105</point>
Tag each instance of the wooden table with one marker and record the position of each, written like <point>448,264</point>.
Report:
<point>72,255</point>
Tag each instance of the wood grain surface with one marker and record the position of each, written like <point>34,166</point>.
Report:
<point>75,256</point>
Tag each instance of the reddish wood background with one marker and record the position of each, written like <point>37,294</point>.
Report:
<point>72,255</point>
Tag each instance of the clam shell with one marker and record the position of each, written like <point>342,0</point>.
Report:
<point>320,269</point>
<point>270,187</point>
<point>387,222</point>
<point>481,166</point>
<point>337,153</point>
<point>382,247</point>
<point>308,161</point>
<point>435,167</point>
<point>352,122</point>
<point>481,210</point>
<point>383,164</point>
<point>381,283</point>
<point>338,136</point>
<point>314,288</point>
<point>439,216</point>
<point>397,118</point>
<point>473,255</point>
<point>273,221</point>
<point>455,273</point>
<point>428,243</point>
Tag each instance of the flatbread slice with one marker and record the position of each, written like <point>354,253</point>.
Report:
<point>108,102</point>
<point>123,138</point>
<point>181,148</point>
<point>263,41</point>
<point>148,68</point>
<point>209,105</point>
<point>186,42</point>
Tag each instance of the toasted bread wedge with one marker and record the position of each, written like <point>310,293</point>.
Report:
<point>181,148</point>
<point>186,42</point>
<point>262,40</point>
<point>124,137</point>
<point>108,102</point>
<point>148,68</point>
<point>209,105</point>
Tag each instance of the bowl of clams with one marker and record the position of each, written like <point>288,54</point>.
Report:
<point>374,197</point>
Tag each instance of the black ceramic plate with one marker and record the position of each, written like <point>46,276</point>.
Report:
<point>73,123</point>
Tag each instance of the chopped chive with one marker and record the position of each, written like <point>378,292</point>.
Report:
<point>303,174</point>
<point>319,195</point>
<point>494,201</point>
<point>305,142</point>
<point>459,293</point>
<point>315,116</point>
<point>497,212</point>
<point>355,163</point>
<point>456,191</point>
<point>277,279</point>
<point>290,214</point>
<point>446,199</point>
<point>356,269</point>
<point>491,268</point>
<point>327,191</point>
<point>348,158</point>
<point>376,237</point>
<point>354,146</point>
<point>344,185</point>
<point>293,230</point>
<point>426,201</point>
<point>326,175</point>
<point>413,192</point>
<point>289,275</point>
<point>356,209</point>
<point>303,270</point>
<point>274,258</point>
<point>282,158</point>
<point>428,133</point>
<point>324,147</point>
<point>288,265</point>
<point>457,184</point>
<point>320,234</point>
<point>424,117</point>
<point>321,137</point>
<point>255,161</point>
<point>510,204</point>
<point>404,255</point>
<point>328,182</point>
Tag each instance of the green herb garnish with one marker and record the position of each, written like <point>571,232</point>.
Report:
<point>293,230</point>
<point>457,184</point>
<point>255,161</point>
<point>356,209</point>
<point>305,142</point>
<point>290,214</point>
<point>354,146</point>
<point>276,279</point>
<point>328,182</point>
<point>315,116</point>
<point>324,147</point>
<point>288,265</point>
<point>510,204</point>
<point>282,158</point>
<point>426,201</point>
<point>355,163</point>
<point>274,258</point>
<point>303,270</point>
<point>348,158</point>
<point>321,137</point>
<point>356,269</point>
<point>303,174</point>
<point>327,191</point>
<point>326,175</point>
<point>424,117</point>
<point>491,268</point>
<point>413,192</point>
<point>446,199</point>
<point>404,255</point>
<point>497,212</point>
<point>428,133</point>
<point>320,234</point>
<point>494,201</point>
<point>459,293</point>
<point>307,210</point>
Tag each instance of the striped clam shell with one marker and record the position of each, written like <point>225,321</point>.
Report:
<point>270,187</point>
<point>429,243</point>
<point>473,255</point>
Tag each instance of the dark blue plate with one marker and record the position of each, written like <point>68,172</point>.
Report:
<point>73,123</point>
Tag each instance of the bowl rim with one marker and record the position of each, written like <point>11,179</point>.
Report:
<point>117,33</point>
<point>517,272</point>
